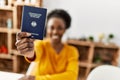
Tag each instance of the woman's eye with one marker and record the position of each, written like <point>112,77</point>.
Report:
<point>56,27</point>
<point>52,27</point>
<point>60,28</point>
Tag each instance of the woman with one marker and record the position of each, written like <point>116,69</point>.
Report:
<point>55,60</point>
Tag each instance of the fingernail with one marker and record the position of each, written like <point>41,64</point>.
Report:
<point>28,34</point>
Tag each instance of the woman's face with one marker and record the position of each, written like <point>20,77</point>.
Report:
<point>55,29</point>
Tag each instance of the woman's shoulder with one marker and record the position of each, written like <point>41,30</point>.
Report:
<point>70,47</point>
<point>72,51</point>
<point>41,42</point>
<point>38,42</point>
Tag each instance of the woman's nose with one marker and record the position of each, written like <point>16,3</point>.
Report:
<point>55,31</point>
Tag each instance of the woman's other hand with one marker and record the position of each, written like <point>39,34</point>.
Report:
<point>27,78</point>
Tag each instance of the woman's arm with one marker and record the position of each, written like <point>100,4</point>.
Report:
<point>71,72</point>
<point>38,50</point>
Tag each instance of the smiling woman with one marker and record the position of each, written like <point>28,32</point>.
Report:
<point>54,59</point>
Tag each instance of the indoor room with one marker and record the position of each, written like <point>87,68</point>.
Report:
<point>59,39</point>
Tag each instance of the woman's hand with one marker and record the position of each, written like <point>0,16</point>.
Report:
<point>27,78</point>
<point>25,45</point>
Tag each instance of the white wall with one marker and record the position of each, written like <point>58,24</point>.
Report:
<point>90,17</point>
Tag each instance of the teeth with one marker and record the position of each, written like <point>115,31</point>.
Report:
<point>55,36</point>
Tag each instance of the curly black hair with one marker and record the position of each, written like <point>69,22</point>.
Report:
<point>60,13</point>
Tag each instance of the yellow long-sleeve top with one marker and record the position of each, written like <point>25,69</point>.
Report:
<point>53,66</point>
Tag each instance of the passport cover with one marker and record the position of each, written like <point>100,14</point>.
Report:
<point>33,21</point>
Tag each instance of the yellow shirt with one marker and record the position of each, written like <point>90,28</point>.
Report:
<point>53,66</point>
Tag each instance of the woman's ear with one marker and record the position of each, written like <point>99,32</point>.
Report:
<point>65,30</point>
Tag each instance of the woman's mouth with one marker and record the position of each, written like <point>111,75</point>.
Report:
<point>55,37</point>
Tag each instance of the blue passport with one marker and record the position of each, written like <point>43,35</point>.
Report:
<point>33,21</point>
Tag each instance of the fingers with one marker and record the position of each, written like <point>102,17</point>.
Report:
<point>24,51</point>
<point>27,78</point>
<point>21,78</point>
<point>21,35</point>
<point>24,40</point>
<point>25,45</point>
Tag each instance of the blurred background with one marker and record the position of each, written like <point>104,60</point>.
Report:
<point>94,31</point>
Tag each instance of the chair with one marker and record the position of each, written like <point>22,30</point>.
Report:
<point>105,72</point>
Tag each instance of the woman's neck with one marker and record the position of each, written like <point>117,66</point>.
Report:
<point>57,46</point>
